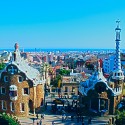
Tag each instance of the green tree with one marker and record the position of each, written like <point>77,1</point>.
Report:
<point>64,72</point>
<point>8,119</point>
<point>56,81</point>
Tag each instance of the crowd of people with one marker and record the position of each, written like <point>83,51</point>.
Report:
<point>37,118</point>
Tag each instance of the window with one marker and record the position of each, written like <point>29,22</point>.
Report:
<point>111,86</point>
<point>66,89</point>
<point>26,91</point>
<point>13,93</point>
<point>22,107</point>
<point>6,79</point>
<point>3,90</point>
<point>75,79</point>
<point>20,79</point>
<point>12,106</point>
<point>73,89</point>
<point>4,105</point>
<point>41,101</point>
<point>116,97</point>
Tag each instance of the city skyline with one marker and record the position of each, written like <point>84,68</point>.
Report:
<point>61,24</point>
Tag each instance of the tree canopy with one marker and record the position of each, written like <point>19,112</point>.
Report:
<point>64,72</point>
<point>2,65</point>
<point>57,81</point>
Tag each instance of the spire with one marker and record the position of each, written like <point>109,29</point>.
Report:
<point>118,60</point>
<point>118,73</point>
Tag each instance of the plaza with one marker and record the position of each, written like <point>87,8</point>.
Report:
<point>57,118</point>
<point>48,119</point>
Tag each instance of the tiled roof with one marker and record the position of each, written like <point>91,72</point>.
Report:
<point>31,73</point>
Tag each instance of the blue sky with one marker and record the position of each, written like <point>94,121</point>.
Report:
<point>61,23</point>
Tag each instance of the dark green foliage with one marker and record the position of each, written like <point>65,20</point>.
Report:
<point>8,119</point>
<point>120,119</point>
<point>64,72</point>
<point>2,66</point>
<point>54,82</point>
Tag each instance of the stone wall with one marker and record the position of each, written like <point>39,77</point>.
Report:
<point>39,96</point>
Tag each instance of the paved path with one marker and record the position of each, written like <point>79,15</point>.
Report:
<point>48,119</point>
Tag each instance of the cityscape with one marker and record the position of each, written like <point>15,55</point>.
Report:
<point>76,87</point>
<point>61,63</point>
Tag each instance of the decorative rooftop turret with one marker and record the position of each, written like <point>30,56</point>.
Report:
<point>16,46</point>
<point>16,52</point>
<point>118,73</point>
<point>22,65</point>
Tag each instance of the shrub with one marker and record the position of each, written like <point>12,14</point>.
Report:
<point>120,119</point>
<point>8,119</point>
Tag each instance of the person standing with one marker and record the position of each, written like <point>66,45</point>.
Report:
<point>37,116</point>
<point>82,119</point>
<point>52,122</point>
<point>71,117</point>
<point>62,118</point>
<point>89,120</point>
<point>42,116</point>
<point>33,120</point>
<point>40,122</point>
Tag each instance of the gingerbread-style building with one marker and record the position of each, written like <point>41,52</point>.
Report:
<point>21,87</point>
<point>99,95</point>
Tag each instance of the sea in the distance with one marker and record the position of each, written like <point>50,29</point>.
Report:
<point>63,50</point>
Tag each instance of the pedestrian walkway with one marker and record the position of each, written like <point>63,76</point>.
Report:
<point>48,119</point>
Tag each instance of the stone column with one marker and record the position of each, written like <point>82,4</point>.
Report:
<point>34,99</point>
